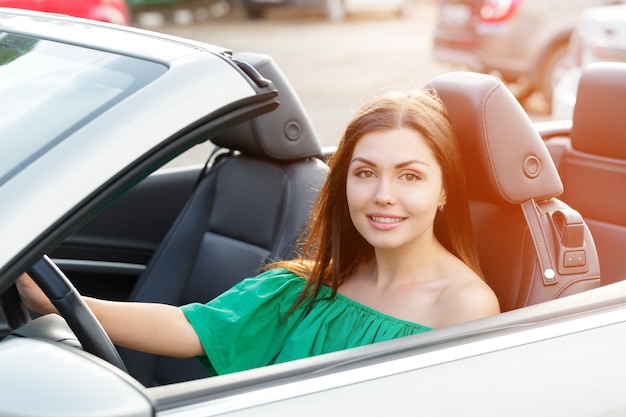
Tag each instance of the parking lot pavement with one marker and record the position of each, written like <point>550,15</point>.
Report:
<point>333,66</point>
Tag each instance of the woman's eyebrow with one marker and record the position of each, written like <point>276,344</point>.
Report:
<point>365,161</point>
<point>399,165</point>
<point>411,162</point>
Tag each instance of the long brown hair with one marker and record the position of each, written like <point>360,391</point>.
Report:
<point>332,249</point>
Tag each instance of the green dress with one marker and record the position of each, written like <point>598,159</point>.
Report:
<point>247,326</point>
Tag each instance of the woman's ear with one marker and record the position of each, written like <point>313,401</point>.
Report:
<point>443,197</point>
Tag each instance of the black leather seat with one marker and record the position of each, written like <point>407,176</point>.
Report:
<point>247,210</point>
<point>592,162</point>
<point>532,246</point>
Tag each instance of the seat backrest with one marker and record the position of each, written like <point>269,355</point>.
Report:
<point>592,162</point>
<point>247,210</point>
<point>532,246</point>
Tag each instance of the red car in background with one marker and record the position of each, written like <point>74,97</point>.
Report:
<point>112,11</point>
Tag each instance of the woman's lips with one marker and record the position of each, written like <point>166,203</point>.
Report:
<point>383,222</point>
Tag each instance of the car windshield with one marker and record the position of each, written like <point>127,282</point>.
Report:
<point>51,89</point>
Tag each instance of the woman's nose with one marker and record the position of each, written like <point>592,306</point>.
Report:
<point>385,194</point>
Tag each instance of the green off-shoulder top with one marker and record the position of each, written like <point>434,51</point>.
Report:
<point>248,327</point>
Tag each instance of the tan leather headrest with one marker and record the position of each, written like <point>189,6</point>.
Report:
<point>599,122</point>
<point>505,158</point>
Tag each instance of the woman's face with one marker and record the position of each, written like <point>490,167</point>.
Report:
<point>394,188</point>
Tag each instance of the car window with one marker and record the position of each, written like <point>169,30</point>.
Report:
<point>60,86</point>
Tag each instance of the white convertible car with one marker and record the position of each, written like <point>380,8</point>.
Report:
<point>90,112</point>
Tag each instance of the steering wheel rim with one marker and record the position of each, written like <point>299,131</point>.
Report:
<point>68,301</point>
<point>15,312</point>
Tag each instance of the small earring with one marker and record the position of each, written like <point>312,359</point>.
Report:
<point>442,207</point>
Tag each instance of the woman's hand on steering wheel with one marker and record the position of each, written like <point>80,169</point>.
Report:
<point>46,289</point>
<point>33,297</point>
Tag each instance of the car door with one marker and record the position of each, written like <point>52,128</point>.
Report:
<point>570,366</point>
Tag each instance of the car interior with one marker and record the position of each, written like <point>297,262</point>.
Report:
<point>534,245</point>
<point>592,162</point>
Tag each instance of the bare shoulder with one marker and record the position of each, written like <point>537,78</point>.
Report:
<point>466,298</point>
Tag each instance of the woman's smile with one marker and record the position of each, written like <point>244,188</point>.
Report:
<point>385,222</point>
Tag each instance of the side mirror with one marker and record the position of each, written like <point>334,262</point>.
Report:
<point>41,378</point>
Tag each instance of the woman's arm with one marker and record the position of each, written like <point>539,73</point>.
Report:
<point>152,328</point>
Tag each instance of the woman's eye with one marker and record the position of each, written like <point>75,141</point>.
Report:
<point>365,173</point>
<point>410,177</point>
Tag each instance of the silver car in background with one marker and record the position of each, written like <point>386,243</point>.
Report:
<point>522,41</point>
<point>600,35</point>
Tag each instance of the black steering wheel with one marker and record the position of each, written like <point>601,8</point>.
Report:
<point>71,307</point>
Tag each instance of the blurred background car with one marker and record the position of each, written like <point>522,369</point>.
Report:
<point>523,41</point>
<point>178,11</point>
<point>111,11</point>
<point>600,35</point>
<point>335,10</point>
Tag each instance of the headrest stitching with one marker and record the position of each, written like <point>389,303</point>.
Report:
<point>487,137</point>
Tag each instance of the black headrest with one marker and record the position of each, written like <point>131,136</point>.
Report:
<point>285,133</point>
<point>599,122</point>
<point>505,157</point>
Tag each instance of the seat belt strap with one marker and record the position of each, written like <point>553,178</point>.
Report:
<point>533,220</point>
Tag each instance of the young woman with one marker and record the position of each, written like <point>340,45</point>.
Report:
<point>388,253</point>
